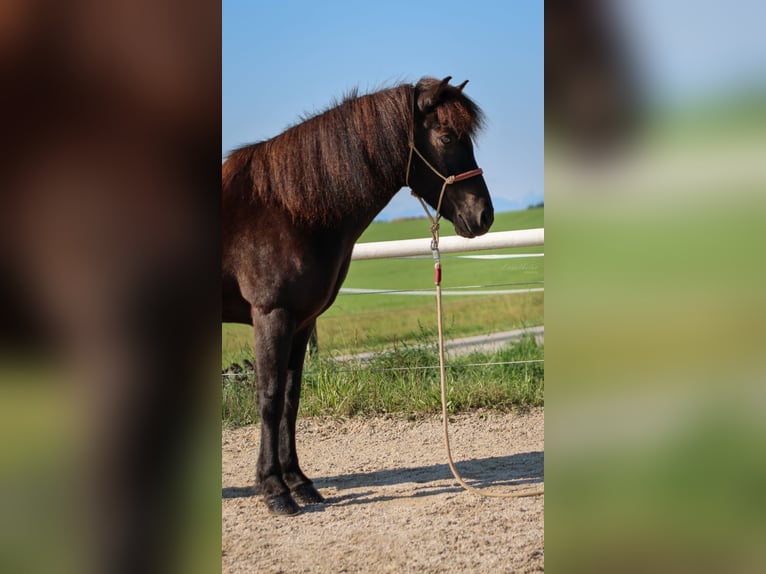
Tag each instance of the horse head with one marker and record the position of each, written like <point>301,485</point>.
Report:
<point>443,170</point>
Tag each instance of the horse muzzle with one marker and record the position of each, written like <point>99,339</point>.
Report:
<point>473,216</point>
<point>474,226</point>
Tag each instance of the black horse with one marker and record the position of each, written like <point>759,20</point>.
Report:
<point>294,205</point>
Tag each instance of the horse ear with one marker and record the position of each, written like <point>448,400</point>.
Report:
<point>429,98</point>
<point>461,86</point>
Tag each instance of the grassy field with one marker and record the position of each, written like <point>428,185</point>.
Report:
<point>361,322</point>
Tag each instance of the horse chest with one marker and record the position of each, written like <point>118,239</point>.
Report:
<point>314,284</point>
<point>305,281</point>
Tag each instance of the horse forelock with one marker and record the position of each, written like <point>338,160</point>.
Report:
<point>454,110</point>
<point>461,115</point>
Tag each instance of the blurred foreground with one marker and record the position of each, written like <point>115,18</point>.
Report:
<point>655,402</point>
<point>108,285</point>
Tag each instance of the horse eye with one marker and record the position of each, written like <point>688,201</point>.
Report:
<point>445,139</point>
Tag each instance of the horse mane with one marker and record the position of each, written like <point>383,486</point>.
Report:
<point>345,160</point>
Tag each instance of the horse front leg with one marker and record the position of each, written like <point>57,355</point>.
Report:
<point>274,332</point>
<point>300,485</point>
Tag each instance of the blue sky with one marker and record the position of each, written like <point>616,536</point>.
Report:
<point>284,59</point>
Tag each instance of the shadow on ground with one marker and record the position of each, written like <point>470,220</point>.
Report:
<point>511,472</point>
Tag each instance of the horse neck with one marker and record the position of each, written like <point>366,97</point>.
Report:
<point>337,169</point>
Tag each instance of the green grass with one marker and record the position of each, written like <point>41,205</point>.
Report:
<point>377,329</point>
<point>365,322</point>
<point>403,381</point>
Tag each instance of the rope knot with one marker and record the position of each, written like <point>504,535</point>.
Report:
<point>449,180</point>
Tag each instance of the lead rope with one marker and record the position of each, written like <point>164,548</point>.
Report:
<point>439,319</point>
<point>443,376</point>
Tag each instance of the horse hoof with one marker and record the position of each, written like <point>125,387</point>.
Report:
<point>307,494</point>
<point>282,505</point>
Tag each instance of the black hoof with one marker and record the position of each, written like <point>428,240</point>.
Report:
<point>282,505</point>
<point>307,494</point>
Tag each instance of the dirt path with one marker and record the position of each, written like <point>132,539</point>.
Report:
<point>466,345</point>
<point>392,504</point>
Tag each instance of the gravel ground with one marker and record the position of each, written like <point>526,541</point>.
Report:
<point>392,503</point>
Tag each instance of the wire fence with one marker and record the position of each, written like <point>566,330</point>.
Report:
<point>249,372</point>
<point>461,290</point>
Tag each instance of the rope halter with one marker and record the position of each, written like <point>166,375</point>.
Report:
<point>448,180</point>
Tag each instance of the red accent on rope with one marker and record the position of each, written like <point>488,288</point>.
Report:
<point>469,174</point>
<point>437,274</point>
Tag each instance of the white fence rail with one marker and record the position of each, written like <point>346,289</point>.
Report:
<point>452,244</point>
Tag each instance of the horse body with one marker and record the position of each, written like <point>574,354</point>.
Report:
<point>294,206</point>
<point>311,264</point>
